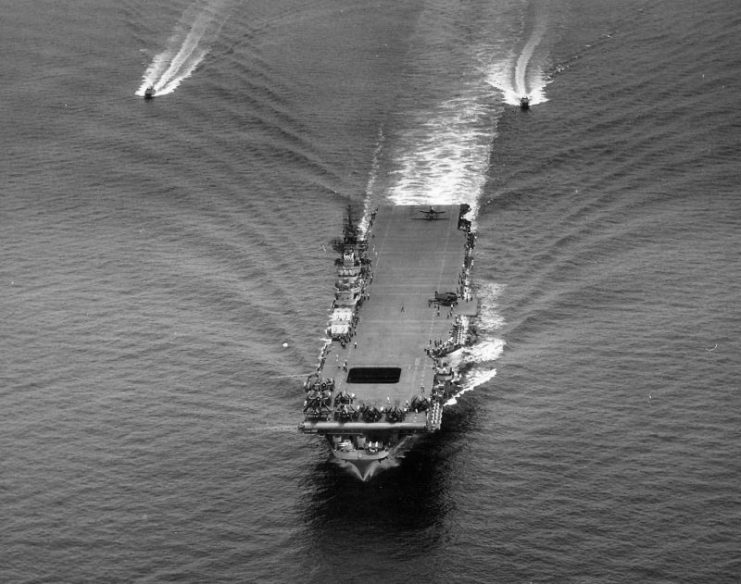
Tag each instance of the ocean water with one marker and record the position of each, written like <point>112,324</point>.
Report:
<point>165,284</point>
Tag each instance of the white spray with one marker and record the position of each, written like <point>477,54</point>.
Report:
<point>524,77</point>
<point>476,362</point>
<point>197,30</point>
<point>370,186</point>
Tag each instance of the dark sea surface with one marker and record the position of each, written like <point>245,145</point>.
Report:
<point>164,287</point>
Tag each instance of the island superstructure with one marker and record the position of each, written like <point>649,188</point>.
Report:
<point>403,302</point>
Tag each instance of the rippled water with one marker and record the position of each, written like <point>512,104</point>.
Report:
<point>156,256</point>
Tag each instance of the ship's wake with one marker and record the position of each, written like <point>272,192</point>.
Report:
<point>189,44</point>
<point>370,186</point>
<point>440,152</point>
<point>448,157</point>
<point>525,75</point>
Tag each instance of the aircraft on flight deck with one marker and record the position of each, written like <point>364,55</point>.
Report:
<point>432,214</point>
<point>444,299</point>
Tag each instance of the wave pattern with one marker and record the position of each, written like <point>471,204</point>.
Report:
<point>164,292</point>
<point>524,74</point>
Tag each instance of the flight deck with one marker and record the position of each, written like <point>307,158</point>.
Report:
<point>412,257</point>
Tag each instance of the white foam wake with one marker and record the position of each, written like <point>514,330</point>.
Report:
<point>370,186</point>
<point>523,76</point>
<point>478,360</point>
<point>442,156</point>
<point>191,41</point>
<point>448,155</point>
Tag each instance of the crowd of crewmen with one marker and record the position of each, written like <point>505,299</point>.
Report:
<point>319,405</point>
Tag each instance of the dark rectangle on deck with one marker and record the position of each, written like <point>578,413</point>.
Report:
<point>374,375</point>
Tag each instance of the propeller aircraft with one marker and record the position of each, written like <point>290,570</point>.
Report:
<point>431,214</point>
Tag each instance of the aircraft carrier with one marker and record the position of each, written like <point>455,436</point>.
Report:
<point>403,303</point>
